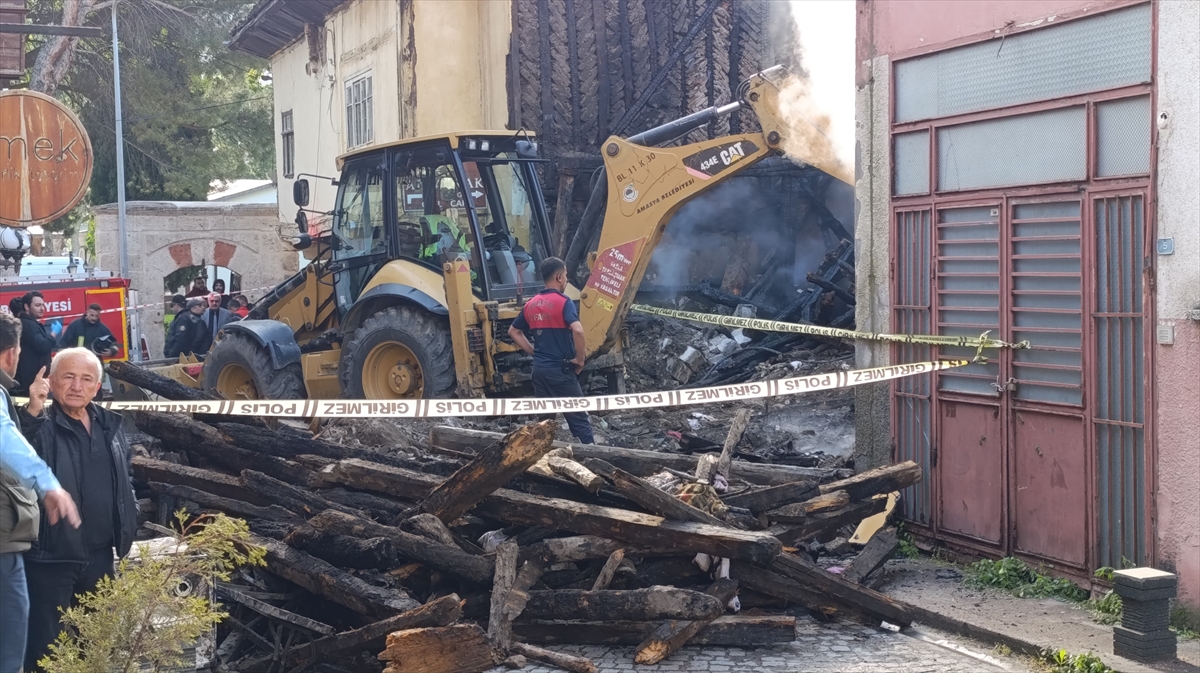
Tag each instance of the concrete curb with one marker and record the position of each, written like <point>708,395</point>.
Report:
<point>959,627</point>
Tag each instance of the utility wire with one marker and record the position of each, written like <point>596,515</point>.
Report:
<point>195,109</point>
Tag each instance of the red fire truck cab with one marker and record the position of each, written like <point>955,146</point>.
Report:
<point>67,297</point>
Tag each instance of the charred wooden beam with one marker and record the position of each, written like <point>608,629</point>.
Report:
<point>647,495</point>
<point>344,551</point>
<point>269,610</point>
<point>147,469</point>
<point>499,625</point>
<point>180,432</point>
<point>380,508</point>
<point>773,584</point>
<point>770,497</point>
<point>737,428</point>
<point>674,634</point>
<point>439,612</point>
<point>725,631</point>
<point>637,529</point>
<point>159,385</point>
<point>335,584</point>
<point>830,286</point>
<point>428,525</point>
<point>608,570</point>
<point>488,471</point>
<point>458,648</point>
<point>226,505</point>
<point>638,604</point>
<point>799,512</point>
<point>826,522</point>
<point>289,443</point>
<point>878,550</point>
<point>587,547</point>
<point>639,462</point>
<point>884,479</point>
<point>376,477</point>
<point>303,502</point>
<point>642,530</point>
<point>567,662</point>
<point>447,558</point>
<point>561,463</point>
<point>842,590</point>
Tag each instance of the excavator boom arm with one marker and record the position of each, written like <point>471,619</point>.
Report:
<point>647,185</point>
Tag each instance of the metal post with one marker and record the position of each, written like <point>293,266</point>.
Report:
<point>122,233</point>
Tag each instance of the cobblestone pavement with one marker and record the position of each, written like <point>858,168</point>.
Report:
<point>819,648</point>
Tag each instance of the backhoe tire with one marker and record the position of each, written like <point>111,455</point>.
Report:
<point>240,369</point>
<point>401,352</point>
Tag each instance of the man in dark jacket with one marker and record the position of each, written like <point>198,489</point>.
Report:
<point>23,478</point>
<point>84,445</point>
<point>84,331</point>
<point>214,318</point>
<point>37,343</point>
<point>188,334</point>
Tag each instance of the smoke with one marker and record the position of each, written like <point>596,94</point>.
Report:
<point>701,236</point>
<point>819,109</point>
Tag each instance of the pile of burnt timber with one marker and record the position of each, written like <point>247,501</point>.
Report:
<point>722,356</point>
<point>488,547</point>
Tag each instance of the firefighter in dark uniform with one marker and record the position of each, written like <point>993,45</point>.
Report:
<point>188,334</point>
<point>558,349</point>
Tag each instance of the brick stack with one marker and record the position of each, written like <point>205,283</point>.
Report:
<point>1144,634</point>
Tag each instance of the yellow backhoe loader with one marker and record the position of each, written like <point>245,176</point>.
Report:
<point>433,248</point>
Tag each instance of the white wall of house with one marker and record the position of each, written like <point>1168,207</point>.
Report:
<point>436,66</point>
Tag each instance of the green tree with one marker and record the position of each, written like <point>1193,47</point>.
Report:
<point>139,617</point>
<point>194,111</point>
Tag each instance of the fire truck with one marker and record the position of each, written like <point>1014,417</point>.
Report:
<point>68,293</point>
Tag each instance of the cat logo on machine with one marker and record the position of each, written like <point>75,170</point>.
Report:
<point>630,193</point>
<point>708,163</point>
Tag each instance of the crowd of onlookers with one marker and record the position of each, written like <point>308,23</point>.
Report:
<point>67,506</point>
<point>66,495</point>
<point>196,317</point>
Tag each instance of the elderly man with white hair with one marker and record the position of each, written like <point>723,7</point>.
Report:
<point>84,445</point>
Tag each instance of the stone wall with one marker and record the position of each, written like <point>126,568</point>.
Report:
<point>167,236</point>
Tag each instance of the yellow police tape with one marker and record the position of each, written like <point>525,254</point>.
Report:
<point>540,405</point>
<point>977,343</point>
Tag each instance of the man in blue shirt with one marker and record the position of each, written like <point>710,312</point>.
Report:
<point>23,478</point>
<point>558,344</point>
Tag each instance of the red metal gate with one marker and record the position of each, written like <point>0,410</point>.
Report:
<point>1014,469</point>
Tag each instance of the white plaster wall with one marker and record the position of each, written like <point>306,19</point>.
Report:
<point>261,255</point>
<point>1179,157</point>
<point>457,58</point>
<point>1178,293</point>
<point>316,120</point>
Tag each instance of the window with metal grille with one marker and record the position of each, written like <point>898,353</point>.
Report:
<point>288,133</point>
<point>911,315</point>
<point>360,121</point>
<point>1119,409</point>
<point>1047,304</point>
<point>968,291</point>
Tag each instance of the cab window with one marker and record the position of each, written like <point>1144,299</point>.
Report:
<point>358,228</point>
<point>433,221</point>
<point>514,238</point>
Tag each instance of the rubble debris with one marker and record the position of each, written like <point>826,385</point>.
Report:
<point>627,546</point>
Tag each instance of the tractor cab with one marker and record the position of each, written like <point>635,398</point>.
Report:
<point>470,197</point>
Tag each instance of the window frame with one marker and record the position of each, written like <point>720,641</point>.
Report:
<point>287,125</point>
<point>359,104</point>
